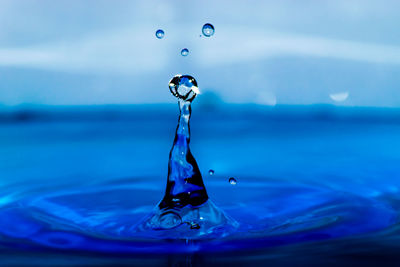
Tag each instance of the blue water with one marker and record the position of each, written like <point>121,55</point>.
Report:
<point>315,184</point>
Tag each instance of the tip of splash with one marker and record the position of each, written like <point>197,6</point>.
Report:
<point>184,87</point>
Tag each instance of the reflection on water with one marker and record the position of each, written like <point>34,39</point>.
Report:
<point>312,181</point>
<point>104,217</point>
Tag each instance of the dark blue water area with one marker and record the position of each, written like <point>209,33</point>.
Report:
<point>315,184</point>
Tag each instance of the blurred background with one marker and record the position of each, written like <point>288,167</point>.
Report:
<point>297,92</point>
<point>97,52</point>
<point>296,89</point>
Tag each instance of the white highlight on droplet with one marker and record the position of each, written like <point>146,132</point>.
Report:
<point>339,97</point>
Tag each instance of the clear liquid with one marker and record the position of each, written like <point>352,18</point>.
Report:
<point>186,205</point>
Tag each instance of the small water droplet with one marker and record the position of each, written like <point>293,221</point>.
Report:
<point>185,52</point>
<point>232,181</point>
<point>159,34</point>
<point>211,172</point>
<point>208,30</point>
<point>194,225</point>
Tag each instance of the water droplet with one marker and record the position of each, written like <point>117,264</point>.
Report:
<point>169,220</point>
<point>194,225</point>
<point>184,87</point>
<point>208,30</point>
<point>185,196</point>
<point>185,52</point>
<point>159,34</point>
<point>232,181</point>
<point>211,172</point>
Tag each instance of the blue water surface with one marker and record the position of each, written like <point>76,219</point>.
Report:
<point>314,183</point>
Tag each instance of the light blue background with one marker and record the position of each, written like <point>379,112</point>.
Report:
<point>266,52</point>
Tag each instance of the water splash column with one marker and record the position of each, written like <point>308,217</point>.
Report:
<point>185,210</point>
<point>185,184</point>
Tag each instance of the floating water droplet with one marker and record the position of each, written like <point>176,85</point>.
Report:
<point>208,30</point>
<point>169,220</point>
<point>232,181</point>
<point>159,34</point>
<point>184,87</point>
<point>211,172</point>
<point>185,52</point>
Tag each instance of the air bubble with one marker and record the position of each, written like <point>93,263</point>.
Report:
<point>232,181</point>
<point>169,220</point>
<point>211,172</point>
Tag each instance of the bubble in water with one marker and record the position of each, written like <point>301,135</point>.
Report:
<point>159,34</point>
<point>232,181</point>
<point>184,87</point>
<point>185,52</point>
<point>211,172</point>
<point>170,220</point>
<point>208,30</point>
<point>194,225</point>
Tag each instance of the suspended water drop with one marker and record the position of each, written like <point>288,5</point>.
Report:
<point>159,34</point>
<point>211,172</point>
<point>184,87</point>
<point>185,52</point>
<point>232,181</point>
<point>208,30</point>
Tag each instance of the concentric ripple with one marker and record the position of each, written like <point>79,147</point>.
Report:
<point>102,218</point>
